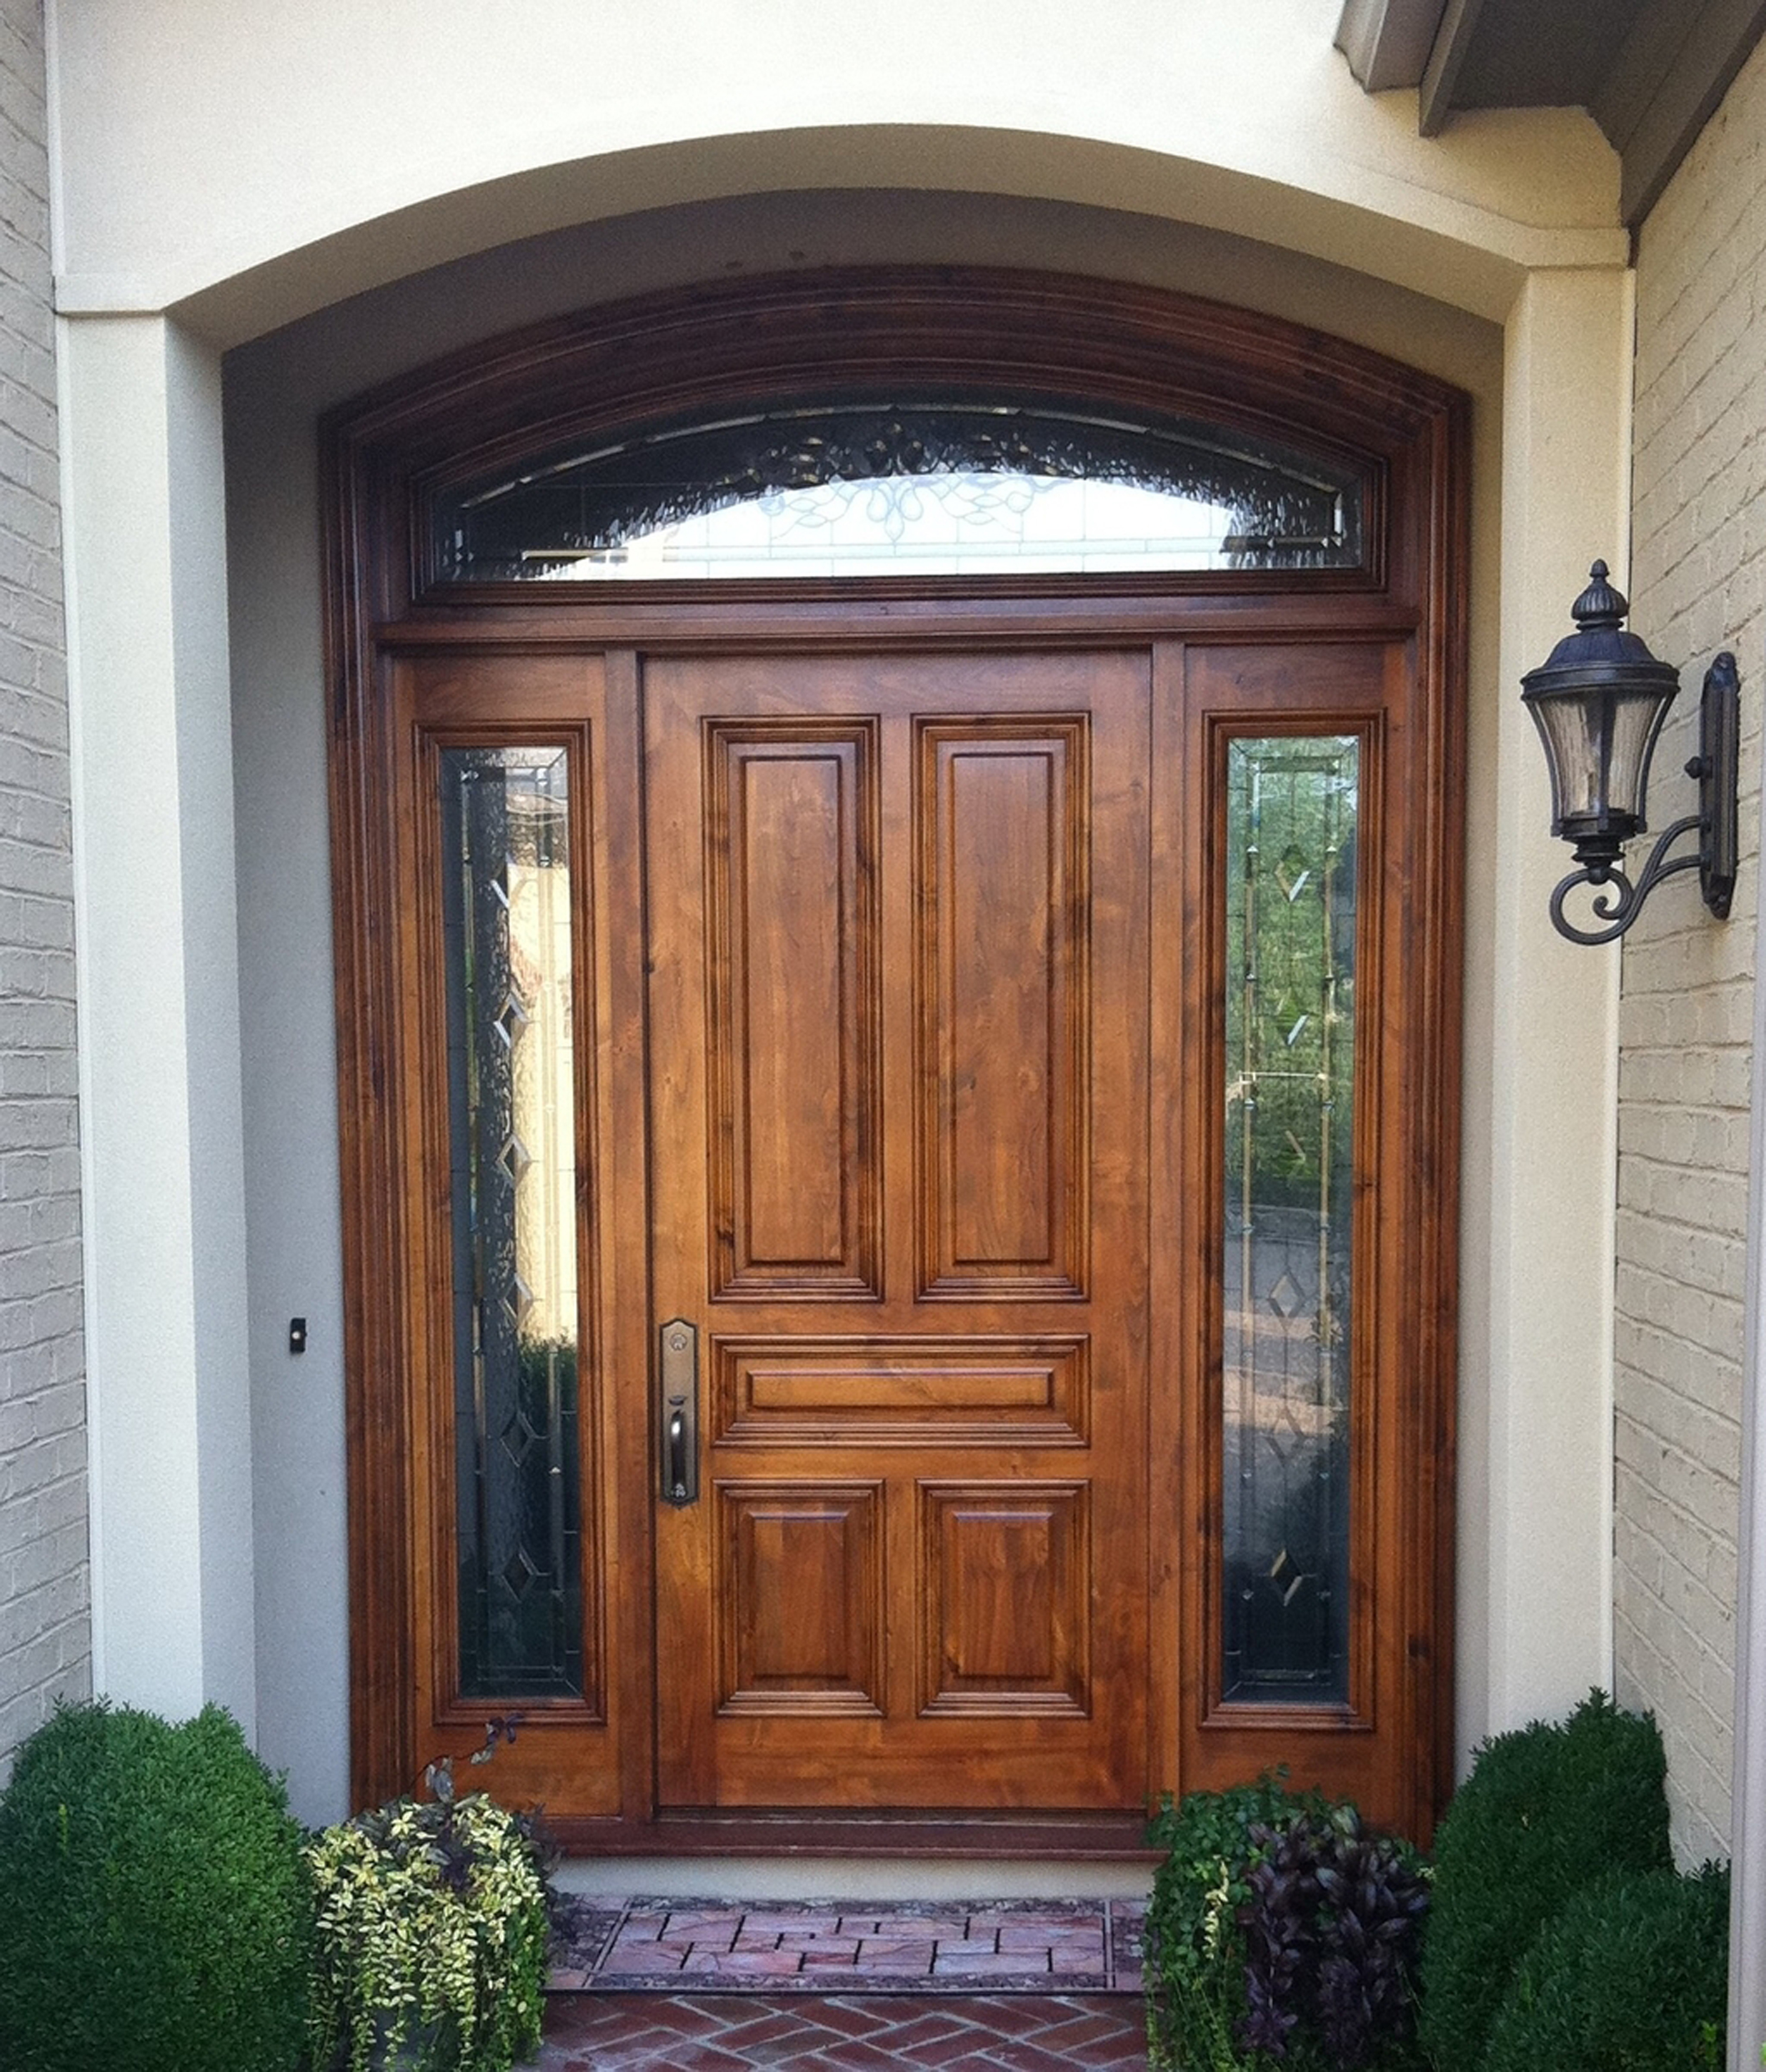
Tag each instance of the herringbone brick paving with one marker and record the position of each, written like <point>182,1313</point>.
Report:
<point>841,2033</point>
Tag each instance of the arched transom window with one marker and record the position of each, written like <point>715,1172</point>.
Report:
<point>927,486</point>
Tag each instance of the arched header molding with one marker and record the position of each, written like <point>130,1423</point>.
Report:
<point>403,457</point>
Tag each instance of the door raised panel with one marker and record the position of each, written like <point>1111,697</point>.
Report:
<point>791,893</point>
<point>874,880</point>
<point>896,929</point>
<point>1003,809</point>
<point>797,1592</point>
<point>907,986</point>
<point>1006,1589</point>
<point>902,1392</point>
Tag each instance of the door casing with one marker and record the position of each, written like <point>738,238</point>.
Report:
<point>1218,649</point>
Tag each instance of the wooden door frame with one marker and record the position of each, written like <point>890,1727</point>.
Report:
<point>387,455</point>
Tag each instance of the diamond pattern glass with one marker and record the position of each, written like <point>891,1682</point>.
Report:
<point>507,914</point>
<point>925,486</point>
<point>1286,1399</point>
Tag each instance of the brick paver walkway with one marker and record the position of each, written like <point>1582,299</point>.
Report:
<point>841,2033</point>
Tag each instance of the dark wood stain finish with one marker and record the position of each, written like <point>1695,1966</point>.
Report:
<point>950,1583</point>
<point>1004,958</point>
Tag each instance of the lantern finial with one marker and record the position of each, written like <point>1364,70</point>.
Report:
<point>1600,605</point>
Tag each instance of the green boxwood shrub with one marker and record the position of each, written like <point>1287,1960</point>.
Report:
<point>1632,1976</point>
<point>154,1912</point>
<point>1546,1810</point>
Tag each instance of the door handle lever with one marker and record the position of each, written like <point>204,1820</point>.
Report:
<point>679,1411</point>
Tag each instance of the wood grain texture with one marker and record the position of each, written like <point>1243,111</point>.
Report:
<point>443,703</point>
<point>902,1392</point>
<point>1004,846</point>
<point>791,833</point>
<point>797,1593</point>
<point>1005,1615</point>
<point>1367,1747</point>
<point>984,901</point>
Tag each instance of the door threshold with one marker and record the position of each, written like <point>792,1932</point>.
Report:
<point>796,1838</point>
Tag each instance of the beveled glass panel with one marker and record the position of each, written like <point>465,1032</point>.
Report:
<point>1285,1408</point>
<point>922,487</point>
<point>507,911</point>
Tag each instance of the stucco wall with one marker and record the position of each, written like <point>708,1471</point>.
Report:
<point>44,1622</point>
<point>453,127</point>
<point>1685,1019</point>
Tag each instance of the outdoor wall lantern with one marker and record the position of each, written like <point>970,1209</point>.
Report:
<point>1599,703</point>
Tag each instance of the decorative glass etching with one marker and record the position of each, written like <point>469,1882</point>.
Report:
<point>1291,844</point>
<point>919,488</point>
<point>506,904</point>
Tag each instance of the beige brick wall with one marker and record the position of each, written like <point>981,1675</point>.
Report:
<point>44,1622</point>
<point>1698,584</point>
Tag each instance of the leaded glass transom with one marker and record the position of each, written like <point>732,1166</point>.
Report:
<point>932,487</point>
<point>1290,915</point>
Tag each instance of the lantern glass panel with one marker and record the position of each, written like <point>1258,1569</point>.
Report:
<point>1637,719</point>
<point>1598,741</point>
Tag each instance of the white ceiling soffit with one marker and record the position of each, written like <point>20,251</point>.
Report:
<point>1651,72</point>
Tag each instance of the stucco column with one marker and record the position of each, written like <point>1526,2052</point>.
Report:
<point>169,1406</point>
<point>1541,1410</point>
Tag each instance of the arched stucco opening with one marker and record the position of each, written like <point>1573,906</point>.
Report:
<point>260,1589</point>
<point>277,389</point>
<point>438,135</point>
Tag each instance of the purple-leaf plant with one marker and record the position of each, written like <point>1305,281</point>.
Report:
<point>1332,1931</point>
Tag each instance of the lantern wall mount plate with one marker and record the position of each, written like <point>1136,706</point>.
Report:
<point>1599,703</point>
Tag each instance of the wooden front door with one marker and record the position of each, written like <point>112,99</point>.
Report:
<point>898,965</point>
<point>912,1162</point>
<point>899,1133</point>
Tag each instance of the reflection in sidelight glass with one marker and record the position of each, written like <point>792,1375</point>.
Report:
<point>506,917</point>
<point>1290,916</point>
<point>923,487</point>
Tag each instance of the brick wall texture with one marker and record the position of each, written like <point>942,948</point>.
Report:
<point>1698,584</point>
<point>45,1629</point>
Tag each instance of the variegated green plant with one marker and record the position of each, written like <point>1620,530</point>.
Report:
<point>431,1944</point>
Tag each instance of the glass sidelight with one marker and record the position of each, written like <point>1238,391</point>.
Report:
<point>505,897</point>
<point>1289,1058</point>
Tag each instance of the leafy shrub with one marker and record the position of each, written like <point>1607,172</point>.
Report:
<point>431,1936</point>
<point>1332,1931</point>
<point>1546,1810</point>
<point>1630,1976</point>
<point>153,1910</point>
<point>1279,1933</point>
<point>1195,1957</point>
